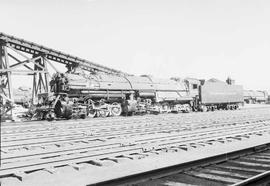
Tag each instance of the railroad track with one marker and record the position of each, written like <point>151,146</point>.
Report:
<point>22,167</point>
<point>247,167</point>
<point>29,150</point>
<point>39,125</point>
<point>57,140</point>
<point>71,127</point>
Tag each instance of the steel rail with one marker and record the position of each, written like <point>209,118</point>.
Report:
<point>25,123</point>
<point>102,120</point>
<point>185,167</point>
<point>35,164</point>
<point>79,124</point>
<point>113,125</point>
<point>103,137</point>
<point>255,180</point>
<point>96,131</point>
<point>185,138</point>
<point>138,142</point>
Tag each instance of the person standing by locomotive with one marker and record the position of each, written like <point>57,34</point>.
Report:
<point>62,82</point>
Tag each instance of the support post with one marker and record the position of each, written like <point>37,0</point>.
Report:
<point>6,91</point>
<point>40,78</point>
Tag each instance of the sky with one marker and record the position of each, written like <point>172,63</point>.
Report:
<point>163,38</point>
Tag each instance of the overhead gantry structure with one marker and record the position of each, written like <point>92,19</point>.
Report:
<point>20,57</point>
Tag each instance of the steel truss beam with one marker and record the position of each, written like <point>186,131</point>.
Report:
<point>56,56</point>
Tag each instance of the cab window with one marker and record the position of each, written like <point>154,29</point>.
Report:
<point>194,86</point>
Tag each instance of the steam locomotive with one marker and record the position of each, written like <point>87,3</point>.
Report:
<point>81,94</point>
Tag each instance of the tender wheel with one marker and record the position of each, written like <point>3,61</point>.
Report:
<point>188,109</point>
<point>166,108</point>
<point>103,113</point>
<point>83,116</point>
<point>204,108</point>
<point>131,113</point>
<point>116,109</point>
<point>50,116</point>
<point>92,113</point>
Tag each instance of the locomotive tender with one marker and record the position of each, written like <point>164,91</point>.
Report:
<point>78,93</point>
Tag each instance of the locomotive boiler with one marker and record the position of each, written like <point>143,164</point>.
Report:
<point>81,94</point>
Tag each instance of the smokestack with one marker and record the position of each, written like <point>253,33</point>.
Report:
<point>230,81</point>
